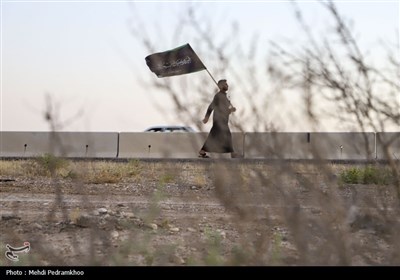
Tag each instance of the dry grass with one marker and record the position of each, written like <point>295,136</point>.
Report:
<point>100,172</point>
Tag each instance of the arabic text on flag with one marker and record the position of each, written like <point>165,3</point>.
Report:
<point>178,61</point>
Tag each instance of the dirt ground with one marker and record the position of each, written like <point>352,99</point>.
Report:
<point>182,217</point>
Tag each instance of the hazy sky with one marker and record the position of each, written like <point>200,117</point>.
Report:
<point>82,54</point>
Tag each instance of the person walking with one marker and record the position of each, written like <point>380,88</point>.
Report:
<point>219,140</point>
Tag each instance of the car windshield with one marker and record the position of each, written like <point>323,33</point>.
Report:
<point>176,129</point>
<point>170,129</point>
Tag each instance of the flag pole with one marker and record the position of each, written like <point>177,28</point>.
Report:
<point>212,77</point>
<point>214,80</point>
<point>206,68</point>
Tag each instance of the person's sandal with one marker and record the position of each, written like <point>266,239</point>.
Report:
<point>203,155</point>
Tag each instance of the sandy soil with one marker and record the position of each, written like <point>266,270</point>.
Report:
<point>186,222</point>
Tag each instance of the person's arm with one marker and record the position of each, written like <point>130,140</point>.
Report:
<point>209,111</point>
<point>231,108</point>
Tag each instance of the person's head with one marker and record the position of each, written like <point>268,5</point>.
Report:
<point>223,85</point>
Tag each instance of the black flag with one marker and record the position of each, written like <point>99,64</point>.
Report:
<point>178,61</point>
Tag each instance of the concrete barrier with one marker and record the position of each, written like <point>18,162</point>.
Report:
<point>388,145</point>
<point>315,145</point>
<point>270,145</point>
<point>276,145</point>
<point>342,145</point>
<point>66,144</point>
<point>168,145</point>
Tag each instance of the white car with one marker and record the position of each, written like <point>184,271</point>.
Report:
<point>170,128</point>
